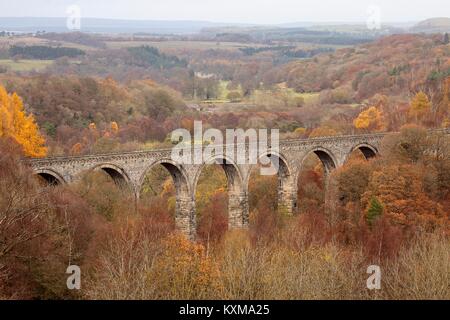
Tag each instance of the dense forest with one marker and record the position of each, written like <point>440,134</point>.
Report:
<point>43,52</point>
<point>120,94</point>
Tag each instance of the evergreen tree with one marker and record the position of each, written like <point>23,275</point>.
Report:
<point>374,210</point>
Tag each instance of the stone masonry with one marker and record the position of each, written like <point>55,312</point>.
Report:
<point>131,168</point>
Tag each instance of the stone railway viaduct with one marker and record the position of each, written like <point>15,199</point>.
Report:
<point>131,168</point>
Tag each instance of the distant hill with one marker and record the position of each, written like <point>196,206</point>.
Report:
<point>34,24</point>
<point>393,66</point>
<point>180,27</point>
<point>433,25</point>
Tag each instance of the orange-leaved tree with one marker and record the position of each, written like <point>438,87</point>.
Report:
<point>397,191</point>
<point>370,119</point>
<point>114,127</point>
<point>323,131</point>
<point>16,124</point>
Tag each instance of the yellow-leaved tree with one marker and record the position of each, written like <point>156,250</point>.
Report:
<point>16,124</point>
<point>420,106</point>
<point>370,119</point>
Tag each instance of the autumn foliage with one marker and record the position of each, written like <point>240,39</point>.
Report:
<point>14,123</point>
<point>420,105</point>
<point>370,119</point>
<point>386,211</point>
<point>42,230</point>
<point>392,210</point>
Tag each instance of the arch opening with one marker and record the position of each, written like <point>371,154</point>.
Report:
<point>272,196</point>
<point>262,191</point>
<point>367,151</point>
<point>163,177</point>
<point>164,188</point>
<point>362,152</point>
<point>104,191</point>
<point>180,181</point>
<point>234,180</point>
<point>221,200</point>
<point>327,160</point>
<point>275,192</point>
<point>312,180</point>
<point>49,179</point>
<point>116,174</point>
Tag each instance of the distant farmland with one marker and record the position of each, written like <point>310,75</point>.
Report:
<point>25,64</point>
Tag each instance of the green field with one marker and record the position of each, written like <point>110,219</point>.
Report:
<point>25,64</point>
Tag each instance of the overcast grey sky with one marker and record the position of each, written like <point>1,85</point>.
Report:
<point>246,11</point>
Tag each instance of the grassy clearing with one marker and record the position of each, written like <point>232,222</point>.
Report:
<point>281,98</point>
<point>199,45</point>
<point>309,97</point>
<point>25,64</point>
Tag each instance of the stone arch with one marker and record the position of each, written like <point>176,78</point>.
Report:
<point>366,149</point>
<point>327,158</point>
<point>284,170</point>
<point>230,168</point>
<point>185,205</point>
<point>237,192</point>
<point>119,176</point>
<point>287,188</point>
<point>50,176</point>
<point>329,162</point>
<point>177,173</point>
